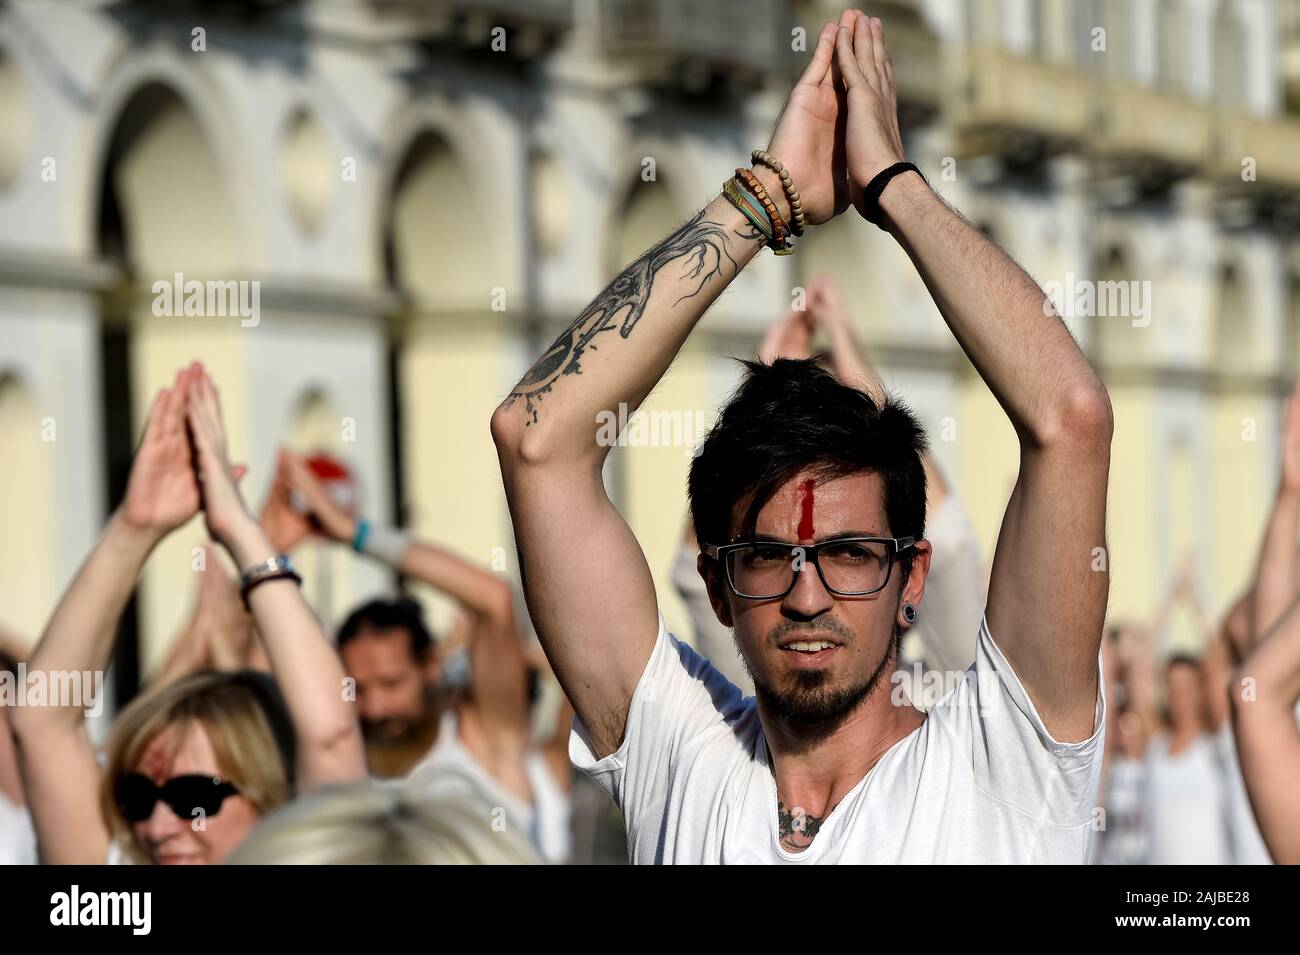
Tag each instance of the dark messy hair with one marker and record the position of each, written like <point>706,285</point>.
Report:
<point>1182,660</point>
<point>402,613</point>
<point>791,416</point>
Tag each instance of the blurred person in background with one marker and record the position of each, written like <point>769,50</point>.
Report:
<point>1193,808</point>
<point>943,635</point>
<point>1263,634</point>
<point>17,837</point>
<point>220,634</point>
<point>414,724</point>
<point>1126,662</point>
<point>1186,804</point>
<point>1265,697</point>
<point>821,766</point>
<point>192,766</point>
<point>367,823</point>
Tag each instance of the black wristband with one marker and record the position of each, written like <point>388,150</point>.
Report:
<point>273,568</point>
<point>245,590</point>
<point>871,210</point>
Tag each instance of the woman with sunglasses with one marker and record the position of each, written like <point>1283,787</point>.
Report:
<point>192,767</point>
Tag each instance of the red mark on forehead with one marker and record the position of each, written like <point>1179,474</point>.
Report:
<point>154,763</point>
<point>806,531</point>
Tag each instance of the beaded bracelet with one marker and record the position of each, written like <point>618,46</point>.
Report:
<point>798,221</point>
<point>780,243</point>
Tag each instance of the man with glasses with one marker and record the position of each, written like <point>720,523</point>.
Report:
<point>809,501</point>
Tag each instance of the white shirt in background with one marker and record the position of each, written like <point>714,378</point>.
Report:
<point>1186,808</point>
<point>713,641</point>
<point>1246,844</point>
<point>1124,840</point>
<point>943,637</point>
<point>981,781</point>
<point>451,767</point>
<point>17,837</point>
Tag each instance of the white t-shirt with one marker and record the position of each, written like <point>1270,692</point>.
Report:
<point>1246,841</point>
<point>1124,840</point>
<point>943,637</point>
<point>17,837</point>
<point>451,767</point>
<point>1186,810</point>
<point>1197,810</point>
<point>980,781</point>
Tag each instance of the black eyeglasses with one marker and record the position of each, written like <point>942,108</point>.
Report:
<point>136,795</point>
<point>848,566</point>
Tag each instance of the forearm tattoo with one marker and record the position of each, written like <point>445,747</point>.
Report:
<point>796,828</point>
<point>702,242</point>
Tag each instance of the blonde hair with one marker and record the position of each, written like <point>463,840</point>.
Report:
<point>245,720</point>
<point>380,823</point>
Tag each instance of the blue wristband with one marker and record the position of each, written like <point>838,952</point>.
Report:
<point>363,531</point>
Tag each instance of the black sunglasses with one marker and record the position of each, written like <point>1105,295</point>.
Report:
<point>136,795</point>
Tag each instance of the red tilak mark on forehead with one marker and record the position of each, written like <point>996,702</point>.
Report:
<point>806,519</point>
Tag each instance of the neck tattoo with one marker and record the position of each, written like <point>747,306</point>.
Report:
<point>796,826</point>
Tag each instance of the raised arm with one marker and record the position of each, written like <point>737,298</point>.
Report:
<point>1047,594</point>
<point>498,681</point>
<point>60,773</point>
<point>219,633</point>
<point>302,658</point>
<point>589,589</point>
<point>1275,575</point>
<point>1264,693</point>
<point>827,310</point>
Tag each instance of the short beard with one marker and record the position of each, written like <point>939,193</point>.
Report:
<point>808,706</point>
<point>402,731</point>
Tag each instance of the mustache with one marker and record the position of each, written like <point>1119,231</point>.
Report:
<point>820,625</point>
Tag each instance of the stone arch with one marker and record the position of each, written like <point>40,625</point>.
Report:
<point>642,212</point>
<point>135,71</point>
<point>165,202</point>
<point>437,146</point>
<point>448,243</point>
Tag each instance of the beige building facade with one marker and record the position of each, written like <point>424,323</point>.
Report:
<point>402,202</point>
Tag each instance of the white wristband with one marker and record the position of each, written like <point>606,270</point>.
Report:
<point>385,543</point>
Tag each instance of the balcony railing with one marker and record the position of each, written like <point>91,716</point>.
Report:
<point>999,99</point>
<point>1137,123</point>
<point>997,91</point>
<point>1270,147</point>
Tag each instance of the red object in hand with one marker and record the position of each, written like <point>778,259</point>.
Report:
<point>339,482</point>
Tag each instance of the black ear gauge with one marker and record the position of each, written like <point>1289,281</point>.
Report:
<point>909,614</point>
